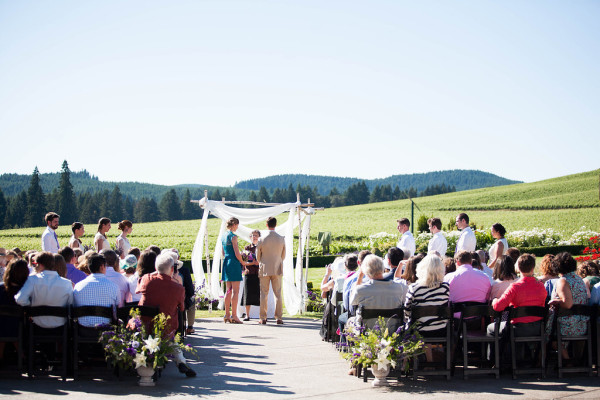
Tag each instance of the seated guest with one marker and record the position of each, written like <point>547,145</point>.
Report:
<point>504,276</point>
<point>114,275</point>
<point>588,271</point>
<point>350,283</point>
<point>128,266</point>
<point>429,290</point>
<point>475,261</point>
<point>145,266</point>
<point>514,253</point>
<point>73,274</point>
<point>546,270</point>
<point>410,270</point>
<point>450,264</point>
<point>60,266</point>
<point>351,265</point>
<point>3,261</point>
<point>466,283</point>
<point>569,290</point>
<point>154,248</point>
<point>377,294</point>
<point>527,291</point>
<point>46,288</point>
<point>136,252</point>
<point>96,290</point>
<point>483,259</point>
<point>595,297</point>
<point>14,278</point>
<point>159,290</point>
<point>394,258</point>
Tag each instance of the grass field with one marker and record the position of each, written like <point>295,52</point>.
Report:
<point>564,204</point>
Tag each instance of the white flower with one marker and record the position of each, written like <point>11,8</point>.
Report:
<point>382,361</point>
<point>140,360</point>
<point>152,344</point>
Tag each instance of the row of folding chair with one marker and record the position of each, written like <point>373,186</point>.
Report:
<point>69,336</point>
<point>471,330</point>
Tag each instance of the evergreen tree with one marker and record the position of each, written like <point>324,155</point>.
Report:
<point>216,195</point>
<point>146,210</point>
<point>397,194</point>
<point>88,208</point>
<point>16,210</point>
<point>252,196</point>
<point>102,199</point>
<point>3,208</point>
<point>263,195</point>
<point>169,206</point>
<point>36,201</point>
<point>278,196</point>
<point>127,207</point>
<point>386,193</point>
<point>67,208</point>
<point>116,205</point>
<point>188,209</point>
<point>375,195</point>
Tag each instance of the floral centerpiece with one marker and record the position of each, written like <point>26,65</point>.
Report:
<point>378,348</point>
<point>204,299</point>
<point>132,345</point>
<point>314,302</point>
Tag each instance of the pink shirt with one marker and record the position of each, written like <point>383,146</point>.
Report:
<point>468,284</point>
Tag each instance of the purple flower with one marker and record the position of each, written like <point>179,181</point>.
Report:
<point>131,351</point>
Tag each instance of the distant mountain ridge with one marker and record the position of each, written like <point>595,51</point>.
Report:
<point>460,179</point>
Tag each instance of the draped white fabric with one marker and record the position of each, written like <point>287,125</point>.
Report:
<point>292,288</point>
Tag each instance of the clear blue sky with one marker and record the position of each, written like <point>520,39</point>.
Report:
<point>219,91</point>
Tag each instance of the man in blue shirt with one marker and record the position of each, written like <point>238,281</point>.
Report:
<point>73,274</point>
<point>96,290</point>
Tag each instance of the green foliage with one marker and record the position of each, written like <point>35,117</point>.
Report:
<point>170,209</point>
<point>422,225</point>
<point>36,201</point>
<point>66,208</point>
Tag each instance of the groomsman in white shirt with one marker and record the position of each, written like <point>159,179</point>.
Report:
<point>438,242</point>
<point>467,240</point>
<point>49,237</point>
<point>407,241</point>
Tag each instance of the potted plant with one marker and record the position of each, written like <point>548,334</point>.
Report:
<point>133,345</point>
<point>379,349</point>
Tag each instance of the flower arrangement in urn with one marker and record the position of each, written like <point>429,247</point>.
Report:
<point>132,345</point>
<point>378,348</point>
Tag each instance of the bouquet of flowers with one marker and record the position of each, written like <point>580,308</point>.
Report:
<point>130,345</point>
<point>377,346</point>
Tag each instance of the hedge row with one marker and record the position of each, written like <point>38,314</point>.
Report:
<point>322,261</point>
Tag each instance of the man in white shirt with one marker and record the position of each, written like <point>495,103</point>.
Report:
<point>113,274</point>
<point>438,242</point>
<point>49,237</point>
<point>46,288</point>
<point>467,240</point>
<point>407,241</point>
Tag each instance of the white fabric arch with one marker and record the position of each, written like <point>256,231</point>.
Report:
<point>293,287</point>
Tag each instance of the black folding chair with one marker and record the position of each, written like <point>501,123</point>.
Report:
<point>366,314</point>
<point>87,335</point>
<point>445,313</point>
<point>479,315</point>
<point>55,336</point>
<point>14,314</point>
<point>583,311</point>
<point>596,324</point>
<point>520,312</point>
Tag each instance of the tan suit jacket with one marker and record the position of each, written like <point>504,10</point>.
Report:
<point>270,254</point>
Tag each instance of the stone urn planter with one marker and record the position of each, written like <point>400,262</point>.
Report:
<point>145,374</point>
<point>380,375</point>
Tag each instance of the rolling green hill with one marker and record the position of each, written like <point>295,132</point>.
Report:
<point>460,179</point>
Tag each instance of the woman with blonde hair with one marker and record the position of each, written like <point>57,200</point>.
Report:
<point>100,240</point>
<point>123,246</point>
<point>429,290</point>
<point>232,270</point>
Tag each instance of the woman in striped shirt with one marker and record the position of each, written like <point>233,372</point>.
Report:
<point>428,290</point>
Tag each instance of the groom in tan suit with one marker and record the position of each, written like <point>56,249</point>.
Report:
<point>270,254</point>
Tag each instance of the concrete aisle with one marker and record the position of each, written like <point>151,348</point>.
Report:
<point>253,361</point>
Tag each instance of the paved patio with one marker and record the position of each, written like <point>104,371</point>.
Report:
<point>253,361</point>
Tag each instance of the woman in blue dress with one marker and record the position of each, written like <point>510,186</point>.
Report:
<point>232,271</point>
